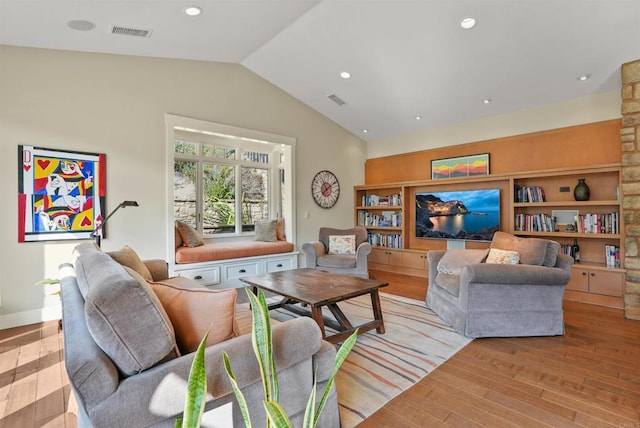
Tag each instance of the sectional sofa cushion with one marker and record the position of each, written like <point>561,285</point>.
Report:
<point>455,259</point>
<point>194,311</point>
<point>124,316</point>
<point>126,256</point>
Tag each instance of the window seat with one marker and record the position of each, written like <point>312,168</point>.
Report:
<point>230,250</point>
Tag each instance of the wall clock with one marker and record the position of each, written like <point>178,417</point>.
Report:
<point>325,189</point>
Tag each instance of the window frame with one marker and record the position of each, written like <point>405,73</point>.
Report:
<point>179,128</point>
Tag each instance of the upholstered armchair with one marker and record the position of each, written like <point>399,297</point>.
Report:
<point>481,293</point>
<point>340,251</point>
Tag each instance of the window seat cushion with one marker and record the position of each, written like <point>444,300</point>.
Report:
<point>230,250</point>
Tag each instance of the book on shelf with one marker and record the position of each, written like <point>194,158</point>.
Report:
<point>384,219</point>
<point>529,194</point>
<point>382,200</point>
<point>598,223</point>
<point>535,223</point>
<point>612,256</point>
<point>389,240</point>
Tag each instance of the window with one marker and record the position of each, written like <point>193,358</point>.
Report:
<point>225,179</point>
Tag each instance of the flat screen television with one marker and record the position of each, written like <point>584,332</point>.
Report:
<point>465,214</point>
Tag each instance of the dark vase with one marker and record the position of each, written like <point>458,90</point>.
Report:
<point>581,191</point>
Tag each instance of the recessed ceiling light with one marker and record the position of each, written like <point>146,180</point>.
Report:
<point>365,130</point>
<point>487,101</point>
<point>418,117</point>
<point>584,77</point>
<point>81,25</point>
<point>192,10</point>
<point>468,22</point>
<point>345,75</point>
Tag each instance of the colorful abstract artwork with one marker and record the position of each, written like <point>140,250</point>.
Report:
<point>61,193</point>
<point>464,166</point>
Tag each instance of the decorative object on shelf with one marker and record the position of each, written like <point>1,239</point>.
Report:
<point>61,193</point>
<point>99,230</point>
<point>464,166</point>
<point>575,251</point>
<point>581,192</point>
<point>325,189</point>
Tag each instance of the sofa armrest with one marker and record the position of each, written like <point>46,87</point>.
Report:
<point>489,273</point>
<point>159,269</point>
<point>312,250</point>
<point>160,391</point>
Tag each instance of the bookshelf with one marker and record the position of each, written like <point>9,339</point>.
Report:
<point>388,213</point>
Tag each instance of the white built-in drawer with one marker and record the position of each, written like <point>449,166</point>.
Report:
<point>240,270</point>
<point>280,264</point>
<point>204,276</point>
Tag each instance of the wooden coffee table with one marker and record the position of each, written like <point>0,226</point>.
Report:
<point>316,289</point>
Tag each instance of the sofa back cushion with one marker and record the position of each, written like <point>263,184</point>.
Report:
<point>533,251</point>
<point>124,316</point>
<point>325,232</point>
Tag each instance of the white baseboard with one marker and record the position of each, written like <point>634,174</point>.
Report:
<point>30,317</point>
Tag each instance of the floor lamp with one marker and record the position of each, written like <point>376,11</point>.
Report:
<point>96,232</point>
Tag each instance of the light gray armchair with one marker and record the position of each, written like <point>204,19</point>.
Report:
<point>501,300</point>
<point>317,253</point>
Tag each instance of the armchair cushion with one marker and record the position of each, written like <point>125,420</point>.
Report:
<point>533,251</point>
<point>193,311</point>
<point>336,261</point>
<point>342,244</point>
<point>325,232</point>
<point>455,259</point>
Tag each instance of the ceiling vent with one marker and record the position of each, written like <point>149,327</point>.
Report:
<point>336,99</point>
<point>127,31</point>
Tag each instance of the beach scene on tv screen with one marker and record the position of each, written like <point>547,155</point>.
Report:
<point>466,214</point>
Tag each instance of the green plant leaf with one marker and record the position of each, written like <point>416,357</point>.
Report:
<point>196,389</point>
<point>276,414</point>
<point>242,403</point>
<point>261,340</point>
<point>310,411</point>
<point>48,281</point>
<point>341,355</point>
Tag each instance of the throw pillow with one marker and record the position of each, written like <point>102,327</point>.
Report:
<point>503,257</point>
<point>126,319</point>
<point>266,230</point>
<point>342,244</point>
<point>455,259</point>
<point>177,239</point>
<point>280,236</point>
<point>127,257</point>
<point>532,250</point>
<point>193,311</point>
<point>190,236</point>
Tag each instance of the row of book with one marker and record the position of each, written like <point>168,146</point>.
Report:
<point>585,223</point>
<point>612,256</point>
<point>534,223</point>
<point>529,194</point>
<point>385,218</point>
<point>598,223</point>
<point>389,240</point>
<point>382,201</point>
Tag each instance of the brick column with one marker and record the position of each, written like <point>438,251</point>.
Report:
<point>630,139</point>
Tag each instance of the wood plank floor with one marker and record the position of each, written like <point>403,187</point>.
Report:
<point>588,377</point>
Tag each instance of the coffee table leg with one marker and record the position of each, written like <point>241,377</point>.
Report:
<point>316,314</point>
<point>377,310</point>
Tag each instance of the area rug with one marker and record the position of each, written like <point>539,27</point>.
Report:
<point>381,366</point>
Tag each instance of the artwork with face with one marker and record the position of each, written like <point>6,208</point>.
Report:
<point>60,194</point>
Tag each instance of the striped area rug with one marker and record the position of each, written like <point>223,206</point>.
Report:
<point>381,366</point>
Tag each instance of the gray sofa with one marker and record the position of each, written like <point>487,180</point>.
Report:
<point>502,300</point>
<point>316,253</point>
<point>154,396</point>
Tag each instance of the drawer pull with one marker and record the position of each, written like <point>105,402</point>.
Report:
<point>243,271</point>
<point>593,274</point>
<point>279,265</point>
<point>584,273</point>
<point>197,277</point>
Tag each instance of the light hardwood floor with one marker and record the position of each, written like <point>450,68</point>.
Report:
<point>588,377</point>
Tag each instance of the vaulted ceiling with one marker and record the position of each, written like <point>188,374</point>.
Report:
<point>407,58</point>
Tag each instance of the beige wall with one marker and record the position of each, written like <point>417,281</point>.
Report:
<point>116,105</point>
<point>577,111</point>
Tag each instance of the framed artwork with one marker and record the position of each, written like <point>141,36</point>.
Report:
<point>61,193</point>
<point>464,166</point>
